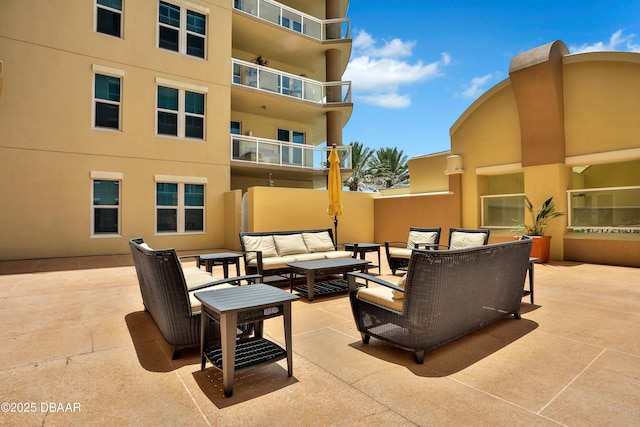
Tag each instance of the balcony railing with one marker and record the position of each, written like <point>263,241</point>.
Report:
<point>615,209</point>
<point>270,80</point>
<point>279,153</point>
<point>294,20</point>
<point>502,211</point>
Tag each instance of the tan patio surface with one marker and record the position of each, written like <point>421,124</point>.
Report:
<point>77,349</point>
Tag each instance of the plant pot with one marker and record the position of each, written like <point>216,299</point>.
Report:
<point>540,248</point>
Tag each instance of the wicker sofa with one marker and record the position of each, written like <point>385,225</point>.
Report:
<point>444,295</point>
<point>268,253</point>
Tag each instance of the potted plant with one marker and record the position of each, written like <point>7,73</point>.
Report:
<point>540,220</point>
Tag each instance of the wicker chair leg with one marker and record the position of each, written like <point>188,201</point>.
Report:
<point>516,315</point>
<point>365,338</point>
<point>176,353</point>
<point>419,357</point>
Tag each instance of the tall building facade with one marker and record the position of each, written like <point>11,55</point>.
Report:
<point>121,118</point>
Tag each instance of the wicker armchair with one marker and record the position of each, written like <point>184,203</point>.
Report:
<point>167,293</point>
<point>462,238</point>
<point>447,294</point>
<point>398,253</point>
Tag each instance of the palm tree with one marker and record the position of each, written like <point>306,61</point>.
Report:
<point>390,168</point>
<point>360,159</point>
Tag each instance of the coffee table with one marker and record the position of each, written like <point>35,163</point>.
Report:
<point>244,304</point>
<point>311,269</point>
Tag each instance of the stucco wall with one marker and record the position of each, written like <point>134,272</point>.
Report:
<point>274,208</point>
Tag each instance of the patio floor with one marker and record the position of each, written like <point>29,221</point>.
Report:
<point>79,350</point>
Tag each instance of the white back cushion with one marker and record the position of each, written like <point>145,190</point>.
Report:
<point>318,242</point>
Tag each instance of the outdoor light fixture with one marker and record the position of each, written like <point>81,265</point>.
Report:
<point>454,165</point>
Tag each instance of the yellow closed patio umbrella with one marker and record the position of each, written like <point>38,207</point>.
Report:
<point>334,188</point>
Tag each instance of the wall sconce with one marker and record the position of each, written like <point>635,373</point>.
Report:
<point>454,165</point>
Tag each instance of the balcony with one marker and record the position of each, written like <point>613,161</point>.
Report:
<point>250,150</point>
<point>296,21</point>
<point>274,81</point>
<point>289,36</point>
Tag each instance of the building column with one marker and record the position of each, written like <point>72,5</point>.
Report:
<point>334,128</point>
<point>542,182</point>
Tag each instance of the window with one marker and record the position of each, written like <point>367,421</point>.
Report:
<point>291,155</point>
<point>179,207</point>
<point>182,30</point>
<point>235,127</point>
<point>180,113</point>
<point>109,17</point>
<point>106,206</point>
<point>106,101</point>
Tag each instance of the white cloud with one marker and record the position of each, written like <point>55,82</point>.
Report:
<point>386,100</point>
<point>376,71</point>
<point>365,45</point>
<point>617,41</point>
<point>477,87</point>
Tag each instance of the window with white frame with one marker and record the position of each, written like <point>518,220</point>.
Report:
<point>181,112</point>
<point>106,204</point>
<point>291,155</point>
<point>107,93</point>
<point>182,30</point>
<point>180,206</point>
<point>109,17</point>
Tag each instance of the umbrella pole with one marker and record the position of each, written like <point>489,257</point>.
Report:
<point>335,228</point>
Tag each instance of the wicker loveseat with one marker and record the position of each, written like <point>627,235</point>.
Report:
<point>446,295</point>
<point>167,293</point>
<point>268,253</point>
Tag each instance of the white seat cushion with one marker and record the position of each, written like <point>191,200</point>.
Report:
<point>337,254</point>
<point>308,257</point>
<point>381,296</point>
<point>277,262</point>
<point>400,253</point>
<point>196,306</point>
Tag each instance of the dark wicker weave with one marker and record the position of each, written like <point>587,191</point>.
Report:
<point>447,294</point>
<point>166,297</point>
<point>396,263</point>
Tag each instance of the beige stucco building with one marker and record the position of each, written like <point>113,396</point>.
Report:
<point>562,126</point>
<point>122,118</point>
<point>171,119</point>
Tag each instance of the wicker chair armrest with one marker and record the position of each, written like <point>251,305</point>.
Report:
<point>433,246</point>
<point>232,280</point>
<point>395,244</point>
<point>353,287</point>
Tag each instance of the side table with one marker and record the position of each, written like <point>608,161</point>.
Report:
<point>237,305</point>
<point>223,259</point>
<point>363,248</point>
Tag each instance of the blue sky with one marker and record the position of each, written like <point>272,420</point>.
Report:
<point>416,67</point>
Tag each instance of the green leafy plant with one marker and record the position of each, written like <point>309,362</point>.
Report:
<point>545,213</point>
